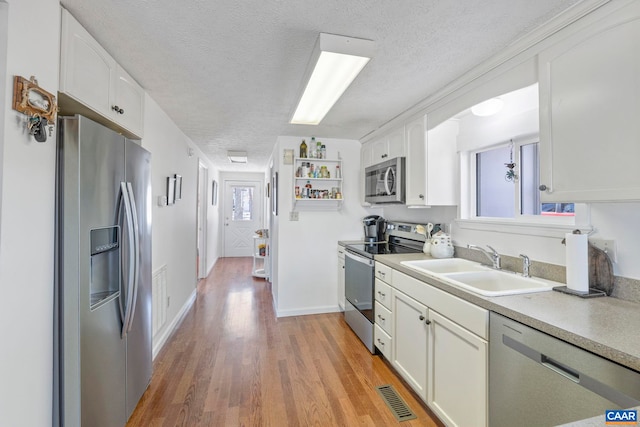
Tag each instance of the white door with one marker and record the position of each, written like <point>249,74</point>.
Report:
<point>201,214</point>
<point>242,216</point>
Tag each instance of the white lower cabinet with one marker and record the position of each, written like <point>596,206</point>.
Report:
<point>383,342</point>
<point>438,343</point>
<point>383,318</point>
<point>457,373</point>
<point>410,332</point>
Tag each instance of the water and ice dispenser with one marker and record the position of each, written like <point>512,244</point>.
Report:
<point>105,265</point>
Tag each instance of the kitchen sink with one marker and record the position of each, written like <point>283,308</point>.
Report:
<point>446,265</point>
<point>496,283</point>
<point>478,278</point>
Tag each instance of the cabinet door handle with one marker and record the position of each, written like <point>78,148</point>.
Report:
<point>380,342</point>
<point>382,273</point>
<point>381,318</point>
<point>117,109</point>
<point>543,187</point>
<point>382,294</point>
<point>421,196</point>
<point>427,322</point>
<point>422,317</point>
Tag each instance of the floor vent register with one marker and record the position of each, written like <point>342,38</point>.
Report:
<point>398,408</point>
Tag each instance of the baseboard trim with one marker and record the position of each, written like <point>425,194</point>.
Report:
<point>164,336</point>
<point>305,311</point>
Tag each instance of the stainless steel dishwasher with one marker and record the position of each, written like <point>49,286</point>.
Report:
<point>538,380</point>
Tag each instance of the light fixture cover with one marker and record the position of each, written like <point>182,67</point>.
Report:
<point>237,156</point>
<point>334,64</point>
<point>488,107</point>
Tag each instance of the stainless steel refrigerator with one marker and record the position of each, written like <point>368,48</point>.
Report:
<point>102,357</point>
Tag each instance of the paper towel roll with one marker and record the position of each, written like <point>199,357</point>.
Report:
<point>577,262</point>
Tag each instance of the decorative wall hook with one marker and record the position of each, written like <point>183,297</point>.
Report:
<point>39,105</point>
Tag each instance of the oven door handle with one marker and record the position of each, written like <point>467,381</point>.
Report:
<point>360,259</point>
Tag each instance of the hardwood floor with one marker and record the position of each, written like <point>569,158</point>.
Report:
<point>233,363</point>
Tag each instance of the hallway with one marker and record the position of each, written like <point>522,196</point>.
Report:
<point>233,363</point>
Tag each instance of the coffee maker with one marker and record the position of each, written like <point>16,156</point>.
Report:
<point>374,228</point>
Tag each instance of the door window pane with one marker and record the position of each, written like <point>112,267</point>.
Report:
<point>242,204</point>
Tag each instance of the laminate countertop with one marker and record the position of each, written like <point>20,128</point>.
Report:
<point>604,326</point>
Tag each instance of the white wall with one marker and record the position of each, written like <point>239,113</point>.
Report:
<point>27,215</point>
<point>305,251</point>
<point>27,211</point>
<point>174,226</point>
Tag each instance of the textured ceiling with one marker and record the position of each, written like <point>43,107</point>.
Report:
<point>228,72</point>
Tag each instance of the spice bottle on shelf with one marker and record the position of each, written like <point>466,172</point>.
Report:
<point>307,188</point>
<point>312,171</point>
<point>319,149</point>
<point>338,172</point>
<point>323,151</point>
<point>303,149</point>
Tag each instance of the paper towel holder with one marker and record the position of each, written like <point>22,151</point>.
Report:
<point>591,293</point>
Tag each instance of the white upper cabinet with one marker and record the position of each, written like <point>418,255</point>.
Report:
<point>388,147</point>
<point>87,71</point>
<point>129,99</point>
<point>416,178</point>
<point>93,84</point>
<point>432,163</point>
<point>589,111</point>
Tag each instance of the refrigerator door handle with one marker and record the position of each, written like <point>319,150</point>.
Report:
<point>132,257</point>
<point>120,223</point>
<point>136,251</point>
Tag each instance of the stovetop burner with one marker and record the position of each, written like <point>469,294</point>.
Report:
<point>402,238</point>
<point>369,249</point>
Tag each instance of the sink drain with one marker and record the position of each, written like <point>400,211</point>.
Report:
<point>398,408</point>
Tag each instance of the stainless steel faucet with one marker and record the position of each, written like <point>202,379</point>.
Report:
<point>526,263</point>
<point>493,255</point>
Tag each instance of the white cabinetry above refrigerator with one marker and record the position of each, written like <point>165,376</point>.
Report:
<point>92,83</point>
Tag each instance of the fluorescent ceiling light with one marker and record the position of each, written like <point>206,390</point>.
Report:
<point>237,156</point>
<point>488,107</point>
<point>335,63</point>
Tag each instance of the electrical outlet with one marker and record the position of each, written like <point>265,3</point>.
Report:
<point>293,216</point>
<point>609,246</point>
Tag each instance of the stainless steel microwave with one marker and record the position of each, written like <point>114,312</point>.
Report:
<point>385,182</point>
